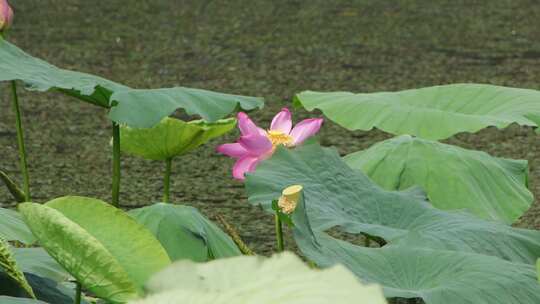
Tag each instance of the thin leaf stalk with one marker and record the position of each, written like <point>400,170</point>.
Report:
<point>116,166</point>
<point>279,232</point>
<point>20,142</point>
<point>167,181</point>
<point>78,293</point>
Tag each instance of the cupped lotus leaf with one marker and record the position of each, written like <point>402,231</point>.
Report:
<point>41,76</point>
<point>453,177</point>
<point>37,261</point>
<point>146,108</point>
<point>339,195</point>
<point>13,228</point>
<point>435,113</point>
<point>283,279</point>
<point>171,137</point>
<point>136,108</point>
<point>185,233</point>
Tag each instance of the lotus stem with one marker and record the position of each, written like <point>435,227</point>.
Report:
<point>78,293</point>
<point>279,232</point>
<point>233,233</point>
<point>20,142</point>
<point>167,181</point>
<point>116,165</point>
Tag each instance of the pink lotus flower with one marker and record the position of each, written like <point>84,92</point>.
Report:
<point>6,15</point>
<point>256,144</point>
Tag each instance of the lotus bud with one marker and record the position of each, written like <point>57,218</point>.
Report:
<point>289,198</point>
<point>6,16</point>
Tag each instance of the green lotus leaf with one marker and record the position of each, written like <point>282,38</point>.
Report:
<point>13,300</point>
<point>136,108</point>
<point>146,108</point>
<point>41,76</point>
<point>280,279</point>
<point>337,194</point>
<point>37,261</point>
<point>171,137</point>
<point>13,228</point>
<point>453,177</point>
<point>435,276</point>
<point>9,266</point>
<point>432,254</point>
<point>185,233</point>
<point>538,268</point>
<point>109,253</point>
<point>432,113</point>
<point>45,289</point>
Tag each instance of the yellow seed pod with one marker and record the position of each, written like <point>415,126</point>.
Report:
<point>289,198</point>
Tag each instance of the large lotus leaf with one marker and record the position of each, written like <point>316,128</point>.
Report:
<point>102,247</point>
<point>436,276</point>
<point>337,194</point>
<point>45,289</point>
<point>433,113</point>
<point>538,268</point>
<point>136,108</point>
<point>185,233</point>
<point>39,75</point>
<point>171,137</point>
<point>13,300</point>
<point>453,177</point>
<point>146,108</point>
<point>280,279</point>
<point>37,261</point>
<point>13,228</point>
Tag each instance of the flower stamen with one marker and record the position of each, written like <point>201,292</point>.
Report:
<point>279,138</point>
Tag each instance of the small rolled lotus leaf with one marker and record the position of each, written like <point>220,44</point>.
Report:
<point>283,279</point>
<point>12,187</point>
<point>136,108</point>
<point>13,300</point>
<point>185,233</point>
<point>9,265</point>
<point>13,228</point>
<point>102,247</point>
<point>453,178</point>
<point>435,113</point>
<point>171,137</point>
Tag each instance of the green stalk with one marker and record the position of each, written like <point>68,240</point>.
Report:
<point>167,181</point>
<point>20,142</point>
<point>78,293</point>
<point>279,233</point>
<point>116,166</point>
